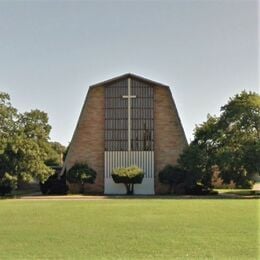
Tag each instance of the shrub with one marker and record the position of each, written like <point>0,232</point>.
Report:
<point>128,176</point>
<point>81,173</point>
<point>7,184</point>
<point>199,189</point>
<point>54,185</point>
<point>173,176</point>
<point>180,189</point>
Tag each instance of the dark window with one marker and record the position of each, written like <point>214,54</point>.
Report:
<point>142,116</point>
<point>116,116</point>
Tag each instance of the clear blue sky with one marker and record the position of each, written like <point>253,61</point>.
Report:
<point>51,51</point>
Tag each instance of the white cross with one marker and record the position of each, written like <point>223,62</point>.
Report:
<point>129,113</point>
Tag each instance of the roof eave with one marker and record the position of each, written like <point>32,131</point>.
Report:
<point>127,75</point>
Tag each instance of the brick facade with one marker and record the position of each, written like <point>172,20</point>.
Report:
<point>87,144</point>
<point>169,135</point>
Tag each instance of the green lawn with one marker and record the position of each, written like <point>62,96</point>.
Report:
<point>129,229</point>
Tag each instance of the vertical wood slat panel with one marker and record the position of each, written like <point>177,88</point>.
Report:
<point>142,159</point>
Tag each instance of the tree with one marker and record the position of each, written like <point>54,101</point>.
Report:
<point>7,183</point>
<point>23,143</point>
<point>24,159</point>
<point>8,118</point>
<point>81,173</point>
<point>199,156</point>
<point>8,126</point>
<point>31,146</point>
<point>55,154</point>
<point>129,177</point>
<point>238,153</point>
<point>34,125</point>
<point>230,142</point>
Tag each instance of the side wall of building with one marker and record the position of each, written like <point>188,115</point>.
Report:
<point>87,145</point>
<point>170,138</point>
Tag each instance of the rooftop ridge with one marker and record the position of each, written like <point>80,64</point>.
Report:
<point>128,75</point>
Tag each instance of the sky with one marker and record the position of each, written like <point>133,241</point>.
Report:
<point>51,51</point>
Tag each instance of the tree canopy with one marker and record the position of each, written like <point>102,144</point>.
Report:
<point>230,141</point>
<point>24,144</point>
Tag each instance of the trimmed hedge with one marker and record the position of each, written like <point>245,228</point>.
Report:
<point>81,173</point>
<point>131,174</point>
<point>128,176</point>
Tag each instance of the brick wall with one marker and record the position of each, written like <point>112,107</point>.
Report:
<point>169,135</point>
<point>87,144</point>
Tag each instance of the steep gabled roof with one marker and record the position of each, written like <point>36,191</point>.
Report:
<point>128,75</point>
<point>124,76</point>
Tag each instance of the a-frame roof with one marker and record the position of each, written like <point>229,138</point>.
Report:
<point>128,75</point>
<point>103,83</point>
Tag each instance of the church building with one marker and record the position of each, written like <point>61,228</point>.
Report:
<point>125,121</point>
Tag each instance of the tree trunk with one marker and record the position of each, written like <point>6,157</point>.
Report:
<point>132,189</point>
<point>129,188</point>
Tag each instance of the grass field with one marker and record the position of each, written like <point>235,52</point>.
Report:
<point>129,229</point>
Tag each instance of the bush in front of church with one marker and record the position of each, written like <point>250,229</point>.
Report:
<point>182,182</point>
<point>54,185</point>
<point>128,176</point>
<point>81,173</point>
<point>175,178</point>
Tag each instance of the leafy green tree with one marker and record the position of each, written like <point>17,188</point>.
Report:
<point>33,146</point>
<point>129,177</point>
<point>81,173</point>
<point>241,116</point>
<point>7,183</point>
<point>25,160</point>
<point>230,141</point>
<point>8,128</point>
<point>251,151</point>
<point>238,153</point>
<point>23,143</point>
<point>8,118</point>
<point>34,125</point>
<point>195,160</point>
<point>55,154</point>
